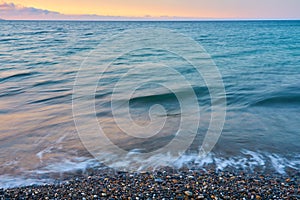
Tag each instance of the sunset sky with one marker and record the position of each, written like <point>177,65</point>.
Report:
<point>178,9</point>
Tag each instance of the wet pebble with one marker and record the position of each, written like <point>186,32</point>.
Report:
<point>163,184</point>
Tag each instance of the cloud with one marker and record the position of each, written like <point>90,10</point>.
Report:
<point>11,11</point>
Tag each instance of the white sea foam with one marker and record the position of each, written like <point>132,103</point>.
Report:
<point>280,163</point>
<point>246,161</point>
<point>67,165</point>
<point>11,181</point>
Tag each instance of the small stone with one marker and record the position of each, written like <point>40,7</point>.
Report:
<point>188,193</point>
<point>261,177</point>
<point>258,197</point>
<point>175,181</point>
<point>159,180</point>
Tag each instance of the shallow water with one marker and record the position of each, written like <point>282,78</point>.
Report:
<point>259,63</point>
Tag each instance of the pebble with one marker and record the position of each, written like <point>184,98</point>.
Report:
<point>188,193</point>
<point>163,184</point>
<point>258,197</point>
<point>158,180</point>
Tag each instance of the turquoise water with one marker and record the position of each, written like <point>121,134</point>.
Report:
<point>260,66</point>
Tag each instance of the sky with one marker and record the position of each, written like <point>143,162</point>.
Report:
<point>149,9</point>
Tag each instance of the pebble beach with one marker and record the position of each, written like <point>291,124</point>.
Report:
<point>164,184</point>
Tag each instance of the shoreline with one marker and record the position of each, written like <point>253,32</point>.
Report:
<point>165,183</point>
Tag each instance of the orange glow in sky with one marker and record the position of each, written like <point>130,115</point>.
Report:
<point>179,8</point>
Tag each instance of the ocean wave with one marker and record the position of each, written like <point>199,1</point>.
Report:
<point>59,99</point>
<point>11,91</point>
<point>13,181</point>
<point>19,75</point>
<point>247,161</point>
<point>281,97</point>
<point>50,82</point>
<point>170,95</point>
<point>282,100</point>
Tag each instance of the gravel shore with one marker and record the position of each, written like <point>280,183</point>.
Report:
<point>164,184</point>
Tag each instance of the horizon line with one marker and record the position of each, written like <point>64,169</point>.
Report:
<point>158,20</point>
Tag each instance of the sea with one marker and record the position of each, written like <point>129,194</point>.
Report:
<point>147,96</point>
